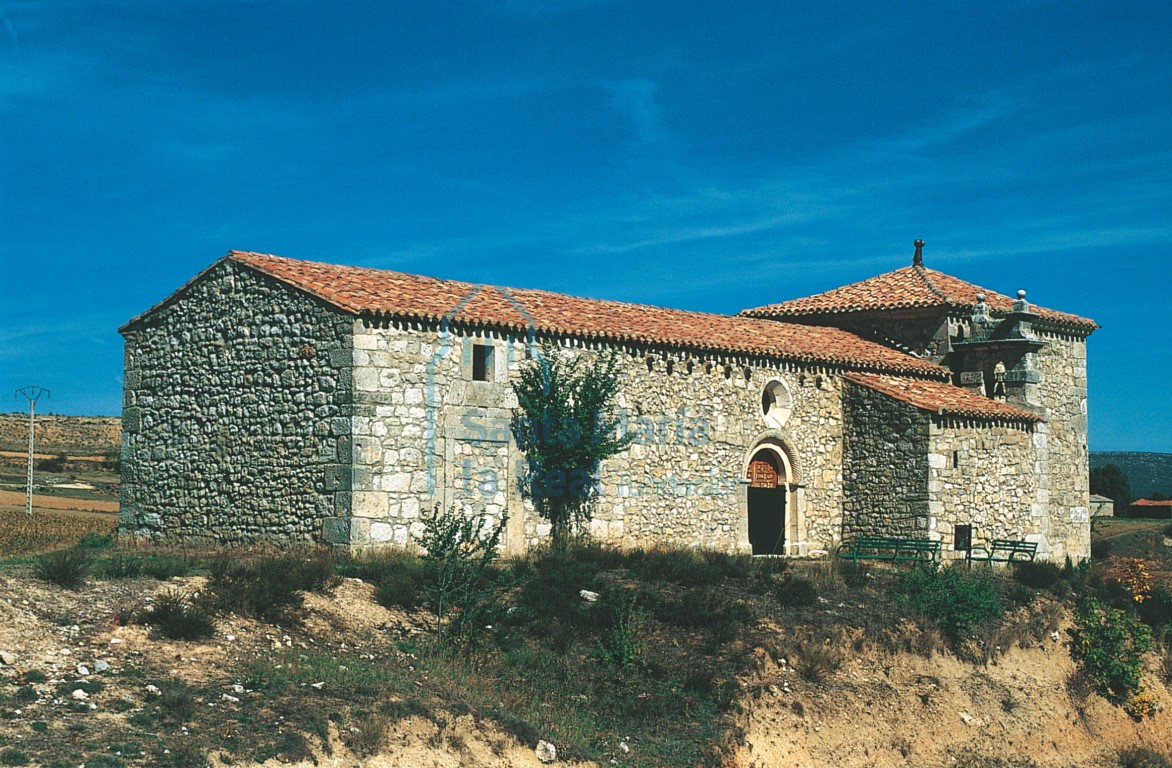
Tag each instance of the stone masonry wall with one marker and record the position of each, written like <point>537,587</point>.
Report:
<point>236,402</point>
<point>1062,396</point>
<point>988,476</point>
<point>425,434</point>
<point>886,483</point>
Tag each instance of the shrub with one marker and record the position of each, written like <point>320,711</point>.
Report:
<point>177,702</point>
<point>1037,575</point>
<point>13,757</point>
<point>96,541</point>
<point>1101,549</point>
<point>793,592</point>
<point>177,618</point>
<point>120,567</point>
<point>1109,645</point>
<point>552,581</point>
<point>269,589</point>
<point>166,567</point>
<point>66,568</point>
<point>402,586</point>
<point>1138,757</point>
<point>953,598</point>
<point>1156,611</point>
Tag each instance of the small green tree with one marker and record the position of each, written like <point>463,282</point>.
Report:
<point>1111,481</point>
<point>563,425</point>
<point>460,550</point>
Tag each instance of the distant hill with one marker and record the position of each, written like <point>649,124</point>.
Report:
<point>1148,473</point>
<point>72,435</point>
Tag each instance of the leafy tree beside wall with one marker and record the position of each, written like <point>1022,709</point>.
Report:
<point>1111,481</point>
<point>564,425</point>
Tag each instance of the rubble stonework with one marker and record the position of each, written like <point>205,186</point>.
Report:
<point>235,403</point>
<point>289,400</point>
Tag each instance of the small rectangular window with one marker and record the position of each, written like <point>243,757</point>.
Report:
<point>962,538</point>
<point>482,367</point>
<point>955,459</point>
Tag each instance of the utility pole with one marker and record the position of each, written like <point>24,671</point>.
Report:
<point>32,394</point>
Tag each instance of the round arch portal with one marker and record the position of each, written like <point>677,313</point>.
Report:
<point>772,502</point>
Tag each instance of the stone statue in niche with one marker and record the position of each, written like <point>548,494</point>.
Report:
<point>999,381</point>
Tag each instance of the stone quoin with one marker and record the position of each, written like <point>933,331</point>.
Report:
<point>271,398</point>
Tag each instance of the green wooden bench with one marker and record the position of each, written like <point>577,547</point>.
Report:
<point>1004,551</point>
<point>896,548</point>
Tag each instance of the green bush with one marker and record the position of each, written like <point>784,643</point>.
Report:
<point>1101,549</point>
<point>165,567</point>
<point>1038,575</point>
<point>177,618</point>
<point>66,568</point>
<point>1109,645</point>
<point>13,757</point>
<point>954,599</point>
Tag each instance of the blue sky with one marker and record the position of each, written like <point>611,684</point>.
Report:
<point>709,156</point>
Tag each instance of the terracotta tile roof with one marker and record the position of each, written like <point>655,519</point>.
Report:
<point>941,397</point>
<point>908,287</point>
<point>1151,503</point>
<point>378,292</point>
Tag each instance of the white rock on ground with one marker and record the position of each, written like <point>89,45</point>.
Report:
<point>546,752</point>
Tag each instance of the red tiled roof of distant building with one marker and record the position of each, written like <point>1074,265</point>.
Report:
<point>941,397</point>
<point>1152,503</point>
<point>908,288</point>
<point>385,293</point>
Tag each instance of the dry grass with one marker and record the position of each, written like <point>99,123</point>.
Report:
<point>46,530</point>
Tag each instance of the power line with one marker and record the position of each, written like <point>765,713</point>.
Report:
<point>32,394</point>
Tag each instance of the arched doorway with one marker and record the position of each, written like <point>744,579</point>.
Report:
<point>766,504</point>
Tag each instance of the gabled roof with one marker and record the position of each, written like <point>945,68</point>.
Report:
<point>941,397</point>
<point>383,293</point>
<point>911,287</point>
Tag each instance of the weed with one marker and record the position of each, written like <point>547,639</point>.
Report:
<point>1156,611</point>
<point>176,617</point>
<point>621,641</point>
<point>177,702</point>
<point>369,735</point>
<point>165,567</point>
<point>66,567</point>
<point>35,676</point>
<point>816,661</point>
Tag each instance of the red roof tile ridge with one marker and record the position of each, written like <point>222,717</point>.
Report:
<point>940,397</point>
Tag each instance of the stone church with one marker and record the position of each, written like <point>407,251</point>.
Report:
<point>270,398</point>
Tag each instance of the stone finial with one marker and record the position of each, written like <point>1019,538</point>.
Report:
<point>1021,305</point>
<point>918,259</point>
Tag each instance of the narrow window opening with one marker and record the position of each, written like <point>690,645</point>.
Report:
<point>482,362</point>
<point>962,538</point>
<point>955,459</point>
